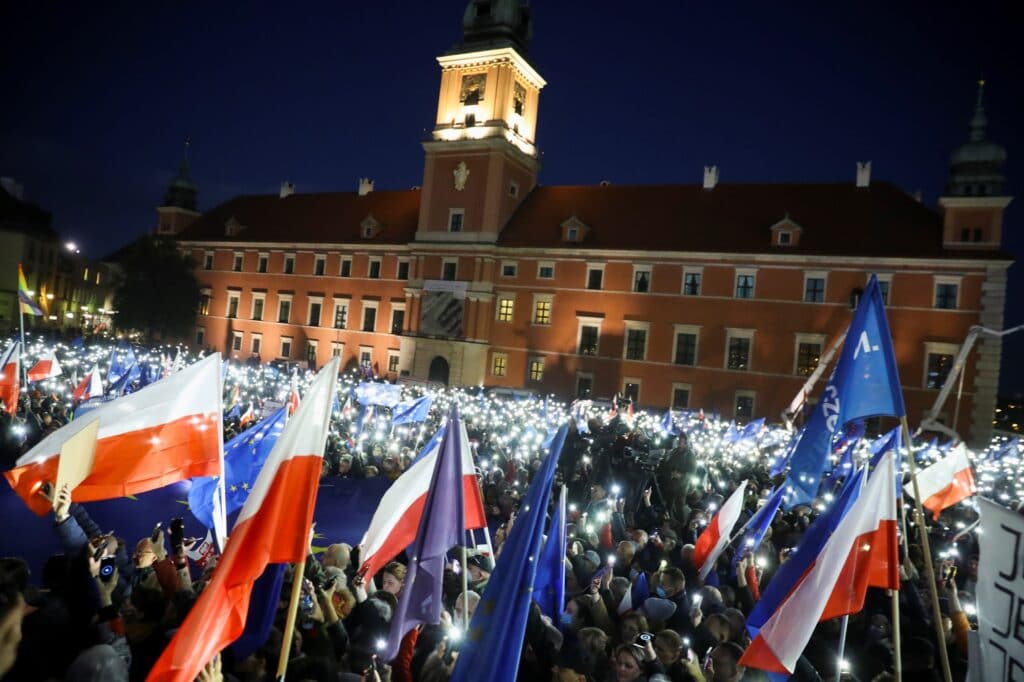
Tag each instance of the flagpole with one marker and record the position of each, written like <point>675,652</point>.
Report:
<point>842,645</point>
<point>289,627</point>
<point>927,551</point>
<point>465,583</point>
<point>897,653</point>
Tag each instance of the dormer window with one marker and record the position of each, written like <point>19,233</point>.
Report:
<point>786,233</point>
<point>369,228</point>
<point>574,230</point>
<point>232,227</point>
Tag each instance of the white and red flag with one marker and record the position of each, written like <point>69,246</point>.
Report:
<point>91,386</point>
<point>394,524</point>
<point>715,538</point>
<point>948,481</point>
<point>273,527</point>
<point>10,381</point>
<point>161,434</point>
<point>46,367</point>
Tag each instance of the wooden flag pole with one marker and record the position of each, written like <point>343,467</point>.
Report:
<point>289,627</point>
<point>898,657</point>
<point>929,569</point>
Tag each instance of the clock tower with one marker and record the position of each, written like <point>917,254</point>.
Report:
<point>481,159</point>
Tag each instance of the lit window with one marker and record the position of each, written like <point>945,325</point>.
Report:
<point>506,307</point>
<point>744,286</point>
<point>499,365</point>
<point>542,312</point>
<point>537,369</point>
<point>807,356</point>
<point>939,366</point>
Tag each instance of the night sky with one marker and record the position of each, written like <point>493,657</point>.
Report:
<point>99,99</point>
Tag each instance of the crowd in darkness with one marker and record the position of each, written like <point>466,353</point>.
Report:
<point>106,606</point>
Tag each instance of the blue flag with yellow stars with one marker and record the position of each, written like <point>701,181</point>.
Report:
<point>244,456</point>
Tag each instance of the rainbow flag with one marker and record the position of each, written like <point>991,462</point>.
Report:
<point>25,296</point>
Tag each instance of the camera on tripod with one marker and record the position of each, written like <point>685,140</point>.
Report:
<point>643,459</point>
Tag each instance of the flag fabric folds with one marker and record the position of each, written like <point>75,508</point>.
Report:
<point>715,537</point>
<point>854,548</point>
<point>166,432</point>
<point>549,586</point>
<point>638,593</point>
<point>46,367</point>
<point>273,527</point>
<point>440,528</point>
<point>376,393</point>
<point>397,518</point>
<point>411,411</point>
<point>865,383</point>
<point>10,379</point>
<point>25,302</point>
<point>91,386</point>
<point>244,456</point>
<point>946,482</point>
<point>491,647</point>
<point>758,525</point>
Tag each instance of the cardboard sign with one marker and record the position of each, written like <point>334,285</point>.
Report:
<point>76,457</point>
<point>1000,594</point>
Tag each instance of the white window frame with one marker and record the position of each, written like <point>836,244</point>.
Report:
<point>396,306</point>
<point>637,269</point>
<point>515,268</point>
<point>260,256</point>
<point>309,310</point>
<point>375,305</point>
<point>815,274</point>
<point>320,258</point>
<point>946,279</point>
<point>586,276</point>
<point>397,355</point>
<point>685,329</point>
<point>450,261</point>
<point>737,273</point>
<point>537,298</point>
<point>365,349</point>
<point>281,353</point>
<point>738,333</point>
<point>745,393</point>
<point>315,345</point>
<point>789,238</point>
<point>546,264</point>
<point>695,270</point>
<point>887,278</point>
<point>340,303</point>
<point>258,296</point>
<point>583,375</point>
<point>369,267</point>
<point>587,321</point>
<point>337,349</point>
<point>639,387</point>
<point>284,262</point>
<point>937,348</point>
<point>680,386</point>
<point>802,337</point>
<point>280,298</point>
<point>529,368</point>
<point>238,256</point>
<point>494,357</point>
<point>237,339</point>
<point>455,212</point>
<point>629,325</point>
<point>497,308</point>
<point>237,296</point>
<point>341,266</point>
<point>213,259</point>
<point>398,269</point>
<point>255,338</point>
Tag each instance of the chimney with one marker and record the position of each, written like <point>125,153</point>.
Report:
<point>287,189</point>
<point>365,186</point>
<point>918,196</point>
<point>863,174</point>
<point>710,177</point>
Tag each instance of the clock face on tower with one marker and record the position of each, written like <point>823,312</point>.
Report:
<point>473,88</point>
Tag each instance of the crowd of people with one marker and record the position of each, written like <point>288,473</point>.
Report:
<point>641,489</point>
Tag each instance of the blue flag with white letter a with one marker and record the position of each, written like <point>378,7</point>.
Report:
<point>865,383</point>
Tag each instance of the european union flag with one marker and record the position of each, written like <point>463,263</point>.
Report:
<point>668,423</point>
<point>244,456</point>
<point>410,411</point>
<point>495,638</point>
<point>549,586</point>
<point>865,383</point>
<point>779,465</point>
<point>757,526</point>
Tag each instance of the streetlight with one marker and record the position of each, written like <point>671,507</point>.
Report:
<point>71,246</point>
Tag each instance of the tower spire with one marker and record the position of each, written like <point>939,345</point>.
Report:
<point>979,122</point>
<point>975,167</point>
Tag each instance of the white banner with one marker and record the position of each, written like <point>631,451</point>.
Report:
<point>456,288</point>
<point>1000,595</point>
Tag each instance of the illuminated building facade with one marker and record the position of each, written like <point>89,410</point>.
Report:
<point>716,295</point>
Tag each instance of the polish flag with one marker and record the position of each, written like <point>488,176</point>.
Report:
<point>46,367</point>
<point>10,385</point>
<point>715,538</point>
<point>272,528</point>
<point>163,433</point>
<point>293,394</point>
<point>946,482</point>
<point>397,518</point>
<point>91,386</point>
<point>831,579</point>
